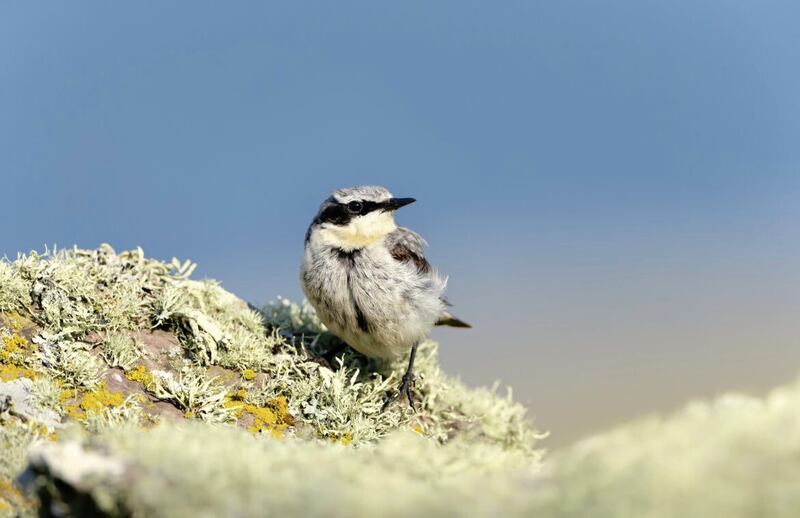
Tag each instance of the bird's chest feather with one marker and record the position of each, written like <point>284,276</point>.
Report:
<point>352,286</point>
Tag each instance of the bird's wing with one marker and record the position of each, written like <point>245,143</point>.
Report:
<point>407,246</point>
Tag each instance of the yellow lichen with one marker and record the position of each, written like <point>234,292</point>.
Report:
<point>66,394</point>
<point>77,405</point>
<point>13,355</point>
<point>346,439</point>
<point>189,414</point>
<point>13,346</point>
<point>9,371</point>
<point>101,398</point>
<point>273,418</point>
<point>74,412</point>
<point>16,321</point>
<point>140,375</point>
<point>248,374</point>
<point>12,499</point>
<point>281,406</point>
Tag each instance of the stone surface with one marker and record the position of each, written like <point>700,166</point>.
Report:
<point>16,397</point>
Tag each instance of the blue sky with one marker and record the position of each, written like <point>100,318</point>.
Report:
<point>612,187</point>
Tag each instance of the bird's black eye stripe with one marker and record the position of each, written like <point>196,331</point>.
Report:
<point>334,213</point>
<point>341,214</point>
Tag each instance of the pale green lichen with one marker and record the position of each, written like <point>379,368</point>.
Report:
<point>213,471</point>
<point>14,289</point>
<point>193,392</point>
<point>114,415</point>
<point>46,392</point>
<point>736,456</point>
<point>172,345</point>
<point>70,362</point>
<point>298,318</point>
<point>121,350</point>
<point>15,439</point>
<point>78,291</point>
<point>214,359</point>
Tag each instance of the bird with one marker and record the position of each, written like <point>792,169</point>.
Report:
<point>368,279</point>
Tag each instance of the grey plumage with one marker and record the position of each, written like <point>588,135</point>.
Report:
<point>368,279</point>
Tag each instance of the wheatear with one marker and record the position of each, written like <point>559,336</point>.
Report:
<point>368,279</point>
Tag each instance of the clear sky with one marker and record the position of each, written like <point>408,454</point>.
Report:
<point>612,187</point>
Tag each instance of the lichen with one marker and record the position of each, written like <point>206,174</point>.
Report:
<point>121,350</point>
<point>14,289</point>
<point>197,394</point>
<point>12,501</point>
<point>87,304</point>
<point>100,399</point>
<point>16,354</point>
<point>141,375</point>
<point>116,339</point>
<point>10,372</point>
<point>14,347</point>
<point>274,417</point>
<point>15,439</point>
<point>79,405</point>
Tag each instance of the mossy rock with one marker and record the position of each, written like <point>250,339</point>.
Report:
<point>129,389</point>
<point>107,341</point>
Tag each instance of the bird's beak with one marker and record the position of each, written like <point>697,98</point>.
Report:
<point>396,203</point>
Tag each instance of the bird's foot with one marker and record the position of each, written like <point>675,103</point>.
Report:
<point>405,389</point>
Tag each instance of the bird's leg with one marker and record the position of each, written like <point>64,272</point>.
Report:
<point>406,384</point>
<point>331,353</point>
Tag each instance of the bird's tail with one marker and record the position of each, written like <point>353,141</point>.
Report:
<point>446,319</point>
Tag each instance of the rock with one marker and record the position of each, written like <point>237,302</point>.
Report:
<point>16,398</point>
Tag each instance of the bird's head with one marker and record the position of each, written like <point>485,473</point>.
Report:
<point>356,217</point>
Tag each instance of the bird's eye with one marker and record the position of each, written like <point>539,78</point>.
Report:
<point>355,207</point>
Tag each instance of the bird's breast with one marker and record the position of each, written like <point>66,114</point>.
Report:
<point>368,299</point>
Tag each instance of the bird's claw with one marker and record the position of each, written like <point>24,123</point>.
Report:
<point>405,389</point>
